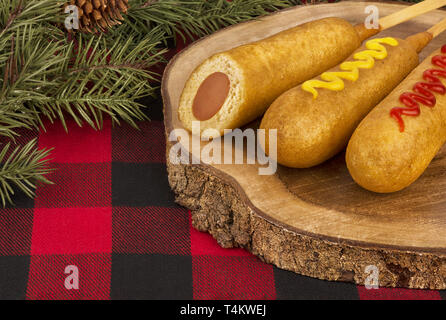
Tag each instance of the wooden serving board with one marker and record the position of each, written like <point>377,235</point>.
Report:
<point>316,222</point>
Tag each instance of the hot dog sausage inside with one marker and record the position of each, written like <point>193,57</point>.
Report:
<point>211,96</point>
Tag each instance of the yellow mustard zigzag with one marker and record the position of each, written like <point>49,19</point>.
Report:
<point>366,60</point>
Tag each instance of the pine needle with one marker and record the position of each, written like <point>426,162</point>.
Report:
<point>194,18</point>
<point>23,168</point>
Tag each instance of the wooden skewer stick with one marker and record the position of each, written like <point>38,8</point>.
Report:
<point>399,17</point>
<point>420,40</point>
<point>409,13</point>
<point>438,28</point>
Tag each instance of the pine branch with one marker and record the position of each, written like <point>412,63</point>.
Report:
<point>28,65</point>
<point>193,18</point>
<point>22,168</point>
<point>28,53</point>
<point>15,14</point>
<point>103,77</point>
<point>46,75</point>
<point>221,13</point>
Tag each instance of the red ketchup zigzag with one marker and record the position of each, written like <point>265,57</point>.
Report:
<point>422,91</point>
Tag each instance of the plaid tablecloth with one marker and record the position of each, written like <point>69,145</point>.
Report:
<point>112,217</point>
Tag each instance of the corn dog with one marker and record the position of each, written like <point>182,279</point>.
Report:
<point>249,77</point>
<point>314,121</point>
<point>395,143</point>
<point>234,87</point>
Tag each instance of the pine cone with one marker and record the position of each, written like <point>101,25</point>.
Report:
<point>99,15</point>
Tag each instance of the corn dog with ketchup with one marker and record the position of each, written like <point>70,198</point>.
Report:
<point>234,87</point>
<point>314,121</point>
<point>395,143</point>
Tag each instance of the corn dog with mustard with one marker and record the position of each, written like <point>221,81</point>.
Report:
<point>395,143</point>
<point>232,88</point>
<point>315,120</point>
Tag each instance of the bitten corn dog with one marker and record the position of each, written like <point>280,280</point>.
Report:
<point>395,143</point>
<point>314,121</point>
<point>234,87</point>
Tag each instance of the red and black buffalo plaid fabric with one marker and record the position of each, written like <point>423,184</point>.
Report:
<point>111,214</point>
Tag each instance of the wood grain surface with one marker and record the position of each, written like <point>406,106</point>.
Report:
<point>317,221</point>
